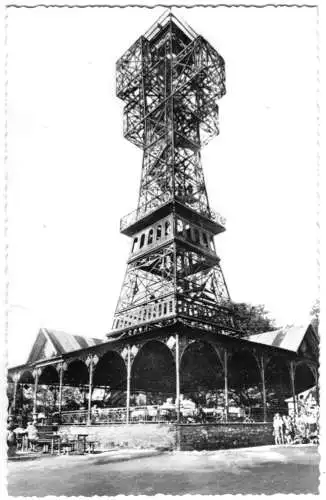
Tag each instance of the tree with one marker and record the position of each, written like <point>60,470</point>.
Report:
<point>251,319</point>
<point>314,313</point>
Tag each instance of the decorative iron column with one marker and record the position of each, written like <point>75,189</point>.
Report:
<point>292,377</point>
<point>261,363</point>
<point>36,373</point>
<point>16,378</point>
<point>128,385</point>
<point>226,387</point>
<point>61,368</point>
<point>177,377</point>
<point>91,361</point>
<point>262,374</point>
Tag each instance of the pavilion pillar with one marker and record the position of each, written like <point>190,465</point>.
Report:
<point>226,387</point>
<point>292,377</point>
<point>91,361</point>
<point>16,377</point>
<point>128,384</point>
<point>36,373</point>
<point>317,386</point>
<point>61,369</point>
<point>314,370</point>
<point>177,377</point>
<point>262,374</point>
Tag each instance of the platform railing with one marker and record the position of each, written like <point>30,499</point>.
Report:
<point>162,414</point>
<point>137,414</point>
<point>138,214</point>
<point>149,312</point>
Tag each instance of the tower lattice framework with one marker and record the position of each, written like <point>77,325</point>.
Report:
<point>170,80</point>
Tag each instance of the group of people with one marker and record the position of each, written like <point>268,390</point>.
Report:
<point>17,434</point>
<point>283,429</point>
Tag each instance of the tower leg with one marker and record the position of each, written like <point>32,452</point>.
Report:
<point>128,386</point>
<point>226,388</point>
<point>177,377</point>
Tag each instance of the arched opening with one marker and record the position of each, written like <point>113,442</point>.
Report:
<point>49,376</point>
<point>167,228</point>
<point>158,232</point>
<point>205,240</point>
<point>179,227</point>
<point>188,232</point>
<point>75,386</point>
<point>150,237</point>
<point>134,244</point>
<point>142,241</point>
<point>244,385</point>
<point>25,395</point>
<point>306,390</point>
<point>26,378</point>
<point>48,390</point>
<point>153,375</point>
<point>202,377</point>
<point>304,378</point>
<point>110,381</point>
<point>278,386</point>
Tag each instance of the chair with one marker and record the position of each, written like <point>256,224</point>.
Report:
<point>90,446</point>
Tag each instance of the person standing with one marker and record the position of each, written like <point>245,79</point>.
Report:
<point>287,428</point>
<point>11,440</point>
<point>32,435</point>
<point>278,428</point>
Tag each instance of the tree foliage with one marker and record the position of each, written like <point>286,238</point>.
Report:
<point>251,319</point>
<point>314,313</point>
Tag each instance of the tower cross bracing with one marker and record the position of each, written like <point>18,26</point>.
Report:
<point>170,81</point>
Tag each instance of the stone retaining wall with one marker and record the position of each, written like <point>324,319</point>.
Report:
<point>223,436</point>
<point>172,436</point>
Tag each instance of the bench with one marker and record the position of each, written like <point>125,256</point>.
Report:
<point>48,439</point>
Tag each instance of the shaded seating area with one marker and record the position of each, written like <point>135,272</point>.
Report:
<point>214,379</point>
<point>48,439</point>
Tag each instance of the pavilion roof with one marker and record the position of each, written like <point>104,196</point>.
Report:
<point>50,343</point>
<point>289,337</point>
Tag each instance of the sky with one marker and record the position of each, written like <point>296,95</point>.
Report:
<point>72,175</point>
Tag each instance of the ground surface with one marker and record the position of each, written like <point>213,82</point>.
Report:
<point>268,469</point>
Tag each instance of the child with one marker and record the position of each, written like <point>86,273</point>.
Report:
<point>32,434</point>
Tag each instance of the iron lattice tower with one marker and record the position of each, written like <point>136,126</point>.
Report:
<point>170,80</point>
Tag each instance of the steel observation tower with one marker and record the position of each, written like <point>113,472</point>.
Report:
<point>170,80</point>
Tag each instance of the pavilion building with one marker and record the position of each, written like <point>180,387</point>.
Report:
<point>175,342</point>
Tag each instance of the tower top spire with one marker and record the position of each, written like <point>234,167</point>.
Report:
<point>166,17</point>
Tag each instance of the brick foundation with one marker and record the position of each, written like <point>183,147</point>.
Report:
<point>172,436</point>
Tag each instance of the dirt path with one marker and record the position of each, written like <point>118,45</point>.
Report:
<point>292,469</point>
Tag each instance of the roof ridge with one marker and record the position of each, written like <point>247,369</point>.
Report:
<point>59,332</point>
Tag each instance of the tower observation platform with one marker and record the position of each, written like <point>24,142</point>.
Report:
<point>170,80</point>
